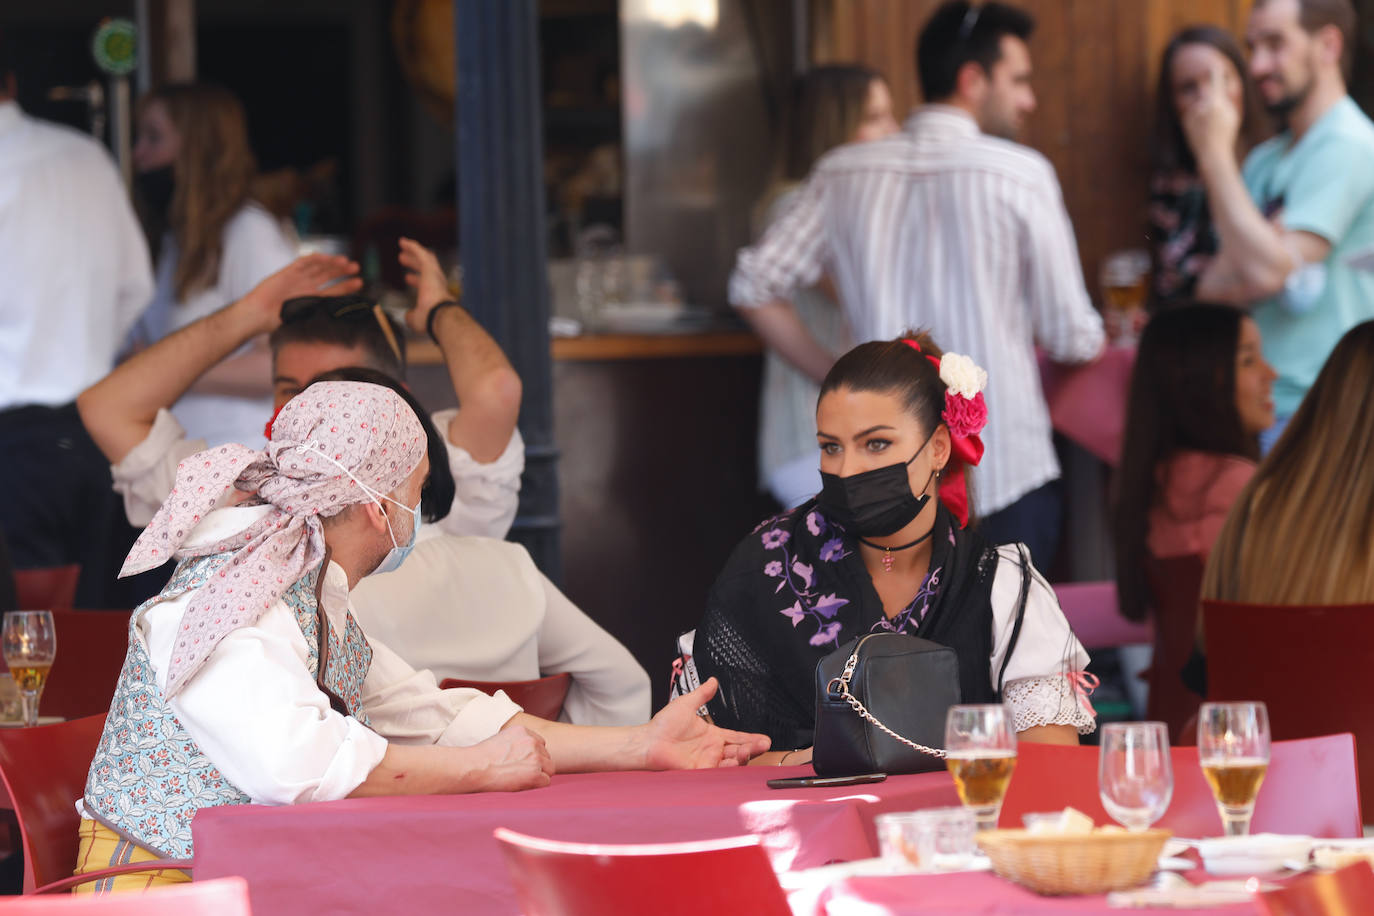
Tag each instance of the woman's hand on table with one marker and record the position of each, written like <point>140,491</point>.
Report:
<point>679,739</point>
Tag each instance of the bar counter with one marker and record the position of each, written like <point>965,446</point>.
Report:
<point>596,347</point>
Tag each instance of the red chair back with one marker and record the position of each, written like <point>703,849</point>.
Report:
<point>90,653</point>
<point>1092,611</point>
<point>46,588</point>
<point>542,697</point>
<point>1174,583</point>
<point>220,897</point>
<point>44,770</point>
<point>1345,892</point>
<point>1310,788</point>
<point>1308,664</point>
<point>670,879</point>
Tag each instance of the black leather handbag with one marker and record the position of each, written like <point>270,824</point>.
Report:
<point>881,701</point>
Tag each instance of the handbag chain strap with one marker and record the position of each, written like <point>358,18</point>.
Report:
<point>858,707</point>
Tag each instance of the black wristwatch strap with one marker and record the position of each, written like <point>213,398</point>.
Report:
<point>434,313</point>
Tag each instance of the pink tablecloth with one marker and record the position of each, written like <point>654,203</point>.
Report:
<point>436,854</point>
<point>975,892</point>
<point>1088,403</point>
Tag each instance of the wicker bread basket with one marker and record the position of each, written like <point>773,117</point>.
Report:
<point>1090,863</point>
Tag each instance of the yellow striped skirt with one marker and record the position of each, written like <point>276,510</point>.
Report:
<point>101,848</point>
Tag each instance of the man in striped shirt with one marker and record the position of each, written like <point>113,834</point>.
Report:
<point>950,226</point>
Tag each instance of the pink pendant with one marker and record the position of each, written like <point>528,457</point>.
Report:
<point>887,561</point>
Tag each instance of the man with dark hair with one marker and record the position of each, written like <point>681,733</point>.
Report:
<point>128,412</point>
<point>76,277</point>
<point>1290,221</point>
<point>952,227</point>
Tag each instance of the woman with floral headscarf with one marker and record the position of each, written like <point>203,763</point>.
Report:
<point>883,547</point>
<point>248,679</point>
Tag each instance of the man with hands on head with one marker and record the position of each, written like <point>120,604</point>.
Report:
<point>127,413</point>
<point>1290,219</point>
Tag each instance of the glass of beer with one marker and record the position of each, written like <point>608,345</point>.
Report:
<point>1233,748</point>
<point>981,749</point>
<point>1135,775</point>
<point>29,644</point>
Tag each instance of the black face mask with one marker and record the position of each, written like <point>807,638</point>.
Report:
<point>875,503</point>
<point>155,188</point>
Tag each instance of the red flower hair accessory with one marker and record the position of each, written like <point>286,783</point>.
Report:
<point>965,415</point>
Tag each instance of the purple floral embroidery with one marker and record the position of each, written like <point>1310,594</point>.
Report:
<point>910,617</point>
<point>799,578</point>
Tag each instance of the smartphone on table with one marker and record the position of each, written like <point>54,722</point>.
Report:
<point>806,782</point>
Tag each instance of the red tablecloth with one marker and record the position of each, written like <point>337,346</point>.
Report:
<point>973,892</point>
<point>1088,403</point>
<point>436,854</point>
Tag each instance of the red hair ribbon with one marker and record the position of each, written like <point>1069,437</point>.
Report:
<point>966,451</point>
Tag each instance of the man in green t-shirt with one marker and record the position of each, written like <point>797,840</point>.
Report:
<point>1290,221</point>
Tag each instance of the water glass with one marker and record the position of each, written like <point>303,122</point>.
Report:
<point>981,754</point>
<point>1135,775</point>
<point>1233,749</point>
<point>29,644</point>
<point>921,838</point>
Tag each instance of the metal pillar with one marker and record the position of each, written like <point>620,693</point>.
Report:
<point>501,231</point>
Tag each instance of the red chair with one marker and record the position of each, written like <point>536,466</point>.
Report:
<point>90,653</point>
<point>1174,584</point>
<point>669,879</point>
<point>46,588</point>
<point>1347,891</point>
<point>542,697</point>
<point>220,897</point>
<point>1311,788</point>
<point>1092,611</point>
<point>1310,666</point>
<point>44,770</point>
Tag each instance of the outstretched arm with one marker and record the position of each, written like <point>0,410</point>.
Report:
<point>119,410</point>
<point>486,384</point>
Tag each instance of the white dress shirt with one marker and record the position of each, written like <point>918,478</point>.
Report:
<point>484,501</point>
<point>74,271</point>
<point>944,228</point>
<point>479,609</point>
<point>257,713</point>
<point>255,244</point>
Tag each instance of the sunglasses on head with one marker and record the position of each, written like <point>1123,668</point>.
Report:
<point>969,24</point>
<point>340,308</point>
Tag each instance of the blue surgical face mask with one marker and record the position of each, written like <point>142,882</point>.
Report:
<point>398,553</point>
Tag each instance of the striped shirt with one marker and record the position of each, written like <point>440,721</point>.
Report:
<point>945,228</point>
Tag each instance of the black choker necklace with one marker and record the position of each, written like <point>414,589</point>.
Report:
<point>887,551</point>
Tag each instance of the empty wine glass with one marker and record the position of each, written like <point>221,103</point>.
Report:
<point>1135,775</point>
<point>980,748</point>
<point>29,644</point>
<point>1233,750</point>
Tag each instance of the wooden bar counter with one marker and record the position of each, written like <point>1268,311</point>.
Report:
<point>657,473</point>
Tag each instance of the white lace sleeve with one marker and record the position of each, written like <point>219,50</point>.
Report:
<point>1046,701</point>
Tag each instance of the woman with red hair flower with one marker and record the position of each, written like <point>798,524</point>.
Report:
<point>885,547</point>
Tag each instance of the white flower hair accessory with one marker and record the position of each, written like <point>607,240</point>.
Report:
<point>962,375</point>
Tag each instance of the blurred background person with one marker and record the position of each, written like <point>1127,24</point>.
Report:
<point>212,242</point>
<point>1182,237</point>
<point>831,106</point>
<point>76,276</point>
<point>1200,396</point>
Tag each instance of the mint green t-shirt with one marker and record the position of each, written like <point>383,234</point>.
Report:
<point>1324,184</point>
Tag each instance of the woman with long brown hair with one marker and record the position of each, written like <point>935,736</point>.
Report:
<point>212,242</point>
<point>1182,239</point>
<point>1302,531</point>
<point>831,106</point>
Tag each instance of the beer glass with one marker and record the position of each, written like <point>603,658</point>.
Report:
<point>1233,749</point>
<point>981,749</point>
<point>1135,776</point>
<point>29,645</point>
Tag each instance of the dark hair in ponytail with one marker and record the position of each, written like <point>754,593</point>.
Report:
<point>894,367</point>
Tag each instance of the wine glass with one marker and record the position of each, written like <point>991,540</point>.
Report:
<point>29,644</point>
<point>1233,749</point>
<point>981,753</point>
<point>1135,776</point>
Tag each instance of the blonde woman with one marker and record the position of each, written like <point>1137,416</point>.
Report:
<point>212,243</point>
<point>831,106</point>
<point>1302,531</point>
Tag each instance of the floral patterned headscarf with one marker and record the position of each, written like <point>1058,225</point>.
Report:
<point>326,441</point>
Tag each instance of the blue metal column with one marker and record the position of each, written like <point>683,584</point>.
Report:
<point>501,231</point>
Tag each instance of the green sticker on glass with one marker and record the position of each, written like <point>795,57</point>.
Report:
<point>115,46</point>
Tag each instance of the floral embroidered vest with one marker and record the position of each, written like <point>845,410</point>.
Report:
<point>149,777</point>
